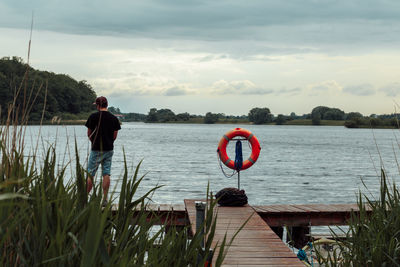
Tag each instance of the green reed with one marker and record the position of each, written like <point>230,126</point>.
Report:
<point>373,236</point>
<point>48,219</point>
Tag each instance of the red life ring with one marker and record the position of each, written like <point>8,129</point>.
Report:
<point>255,148</point>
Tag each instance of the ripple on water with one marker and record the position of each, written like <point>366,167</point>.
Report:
<point>297,164</point>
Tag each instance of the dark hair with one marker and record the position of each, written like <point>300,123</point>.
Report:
<point>102,102</point>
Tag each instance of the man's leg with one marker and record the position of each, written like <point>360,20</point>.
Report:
<point>106,186</point>
<point>106,169</point>
<point>93,164</point>
<point>89,184</point>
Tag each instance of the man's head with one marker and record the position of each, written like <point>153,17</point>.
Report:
<point>101,102</point>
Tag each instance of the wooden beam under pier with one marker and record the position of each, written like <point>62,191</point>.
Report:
<point>305,215</point>
<point>273,215</point>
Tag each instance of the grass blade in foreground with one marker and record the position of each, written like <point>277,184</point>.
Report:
<point>373,237</point>
<point>45,221</point>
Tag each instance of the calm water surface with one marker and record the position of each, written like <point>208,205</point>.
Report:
<point>297,164</point>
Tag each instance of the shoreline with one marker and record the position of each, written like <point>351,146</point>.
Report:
<point>288,123</point>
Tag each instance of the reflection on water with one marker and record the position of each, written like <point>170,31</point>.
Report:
<point>297,164</point>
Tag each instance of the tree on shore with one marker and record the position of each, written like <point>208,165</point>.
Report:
<point>56,94</point>
<point>325,113</point>
<point>353,115</point>
<point>183,116</point>
<point>280,119</point>
<point>166,115</point>
<point>381,121</point>
<point>161,115</point>
<point>114,110</point>
<point>210,118</point>
<point>152,115</point>
<point>260,115</point>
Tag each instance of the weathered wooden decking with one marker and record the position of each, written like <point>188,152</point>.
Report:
<point>296,217</point>
<point>256,244</point>
<point>274,215</point>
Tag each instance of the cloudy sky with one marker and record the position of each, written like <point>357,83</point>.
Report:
<point>223,56</point>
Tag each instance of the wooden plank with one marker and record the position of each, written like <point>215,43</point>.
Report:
<point>265,261</point>
<point>274,215</point>
<point>308,208</point>
<point>256,244</point>
<point>268,209</point>
<point>260,254</point>
<point>178,207</point>
<point>291,208</point>
<point>165,207</point>
<point>245,249</point>
<point>152,207</point>
<point>243,234</point>
<point>269,243</point>
<point>258,265</point>
<point>314,214</point>
<point>287,208</point>
<point>322,207</point>
<point>345,207</point>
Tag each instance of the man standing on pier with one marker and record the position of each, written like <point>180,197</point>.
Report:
<point>102,131</point>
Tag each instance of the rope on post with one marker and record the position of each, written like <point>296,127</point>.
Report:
<point>238,159</point>
<point>222,169</point>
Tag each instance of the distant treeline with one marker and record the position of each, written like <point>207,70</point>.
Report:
<point>31,89</point>
<point>354,119</point>
<point>67,99</point>
<point>320,115</point>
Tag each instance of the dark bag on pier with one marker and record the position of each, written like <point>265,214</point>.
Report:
<point>232,197</point>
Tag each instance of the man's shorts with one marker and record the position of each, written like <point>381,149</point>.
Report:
<point>97,157</point>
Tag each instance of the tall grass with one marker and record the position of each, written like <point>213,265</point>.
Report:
<point>48,219</point>
<point>373,236</point>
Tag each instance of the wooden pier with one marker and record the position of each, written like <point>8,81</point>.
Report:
<point>259,243</point>
<point>255,245</point>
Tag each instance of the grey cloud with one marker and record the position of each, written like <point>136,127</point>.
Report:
<point>212,57</point>
<point>175,91</point>
<point>257,58</point>
<point>306,22</point>
<point>239,88</point>
<point>242,85</point>
<point>288,91</point>
<point>124,93</point>
<point>256,91</point>
<point>391,89</point>
<point>360,90</point>
<point>234,52</point>
<point>320,88</point>
<point>118,94</point>
<point>325,87</point>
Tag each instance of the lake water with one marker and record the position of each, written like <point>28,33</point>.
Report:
<point>297,164</point>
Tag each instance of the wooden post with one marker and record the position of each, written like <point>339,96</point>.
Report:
<point>299,235</point>
<point>200,217</point>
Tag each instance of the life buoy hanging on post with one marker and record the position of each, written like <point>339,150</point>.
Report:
<point>255,148</point>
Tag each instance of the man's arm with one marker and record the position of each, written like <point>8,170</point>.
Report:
<point>88,125</point>
<point>89,134</point>
<point>117,127</point>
